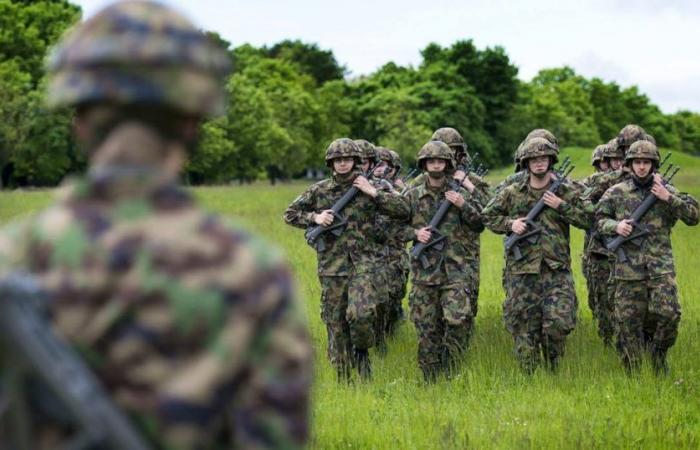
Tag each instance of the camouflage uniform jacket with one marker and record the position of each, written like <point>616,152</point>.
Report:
<point>454,261</point>
<point>653,257</point>
<point>355,249</point>
<point>552,247</point>
<point>395,231</point>
<point>186,321</point>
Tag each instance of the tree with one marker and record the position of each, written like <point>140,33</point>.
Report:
<point>321,65</point>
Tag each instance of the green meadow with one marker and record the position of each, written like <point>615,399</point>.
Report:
<point>589,403</point>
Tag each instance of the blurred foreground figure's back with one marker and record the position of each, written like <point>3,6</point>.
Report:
<point>192,326</point>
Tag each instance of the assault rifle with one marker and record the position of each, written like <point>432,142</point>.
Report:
<point>512,242</point>
<point>437,240</point>
<point>614,244</point>
<point>35,350</point>
<point>314,234</point>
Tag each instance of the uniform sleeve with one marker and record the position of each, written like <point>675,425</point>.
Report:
<point>572,210</point>
<point>393,204</point>
<point>495,214</point>
<point>300,212</point>
<point>272,410</point>
<point>481,192</point>
<point>255,373</point>
<point>683,206</point>
<point>605,218</point>
<point>470,212</point>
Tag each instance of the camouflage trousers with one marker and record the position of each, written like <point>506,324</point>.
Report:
<point>474,286</point>
<point>539,312</point>
<point>648,314</point>
<point>396,271</point>
<point>601,295</point>
<point>443,318</point>
<point>349,310</point>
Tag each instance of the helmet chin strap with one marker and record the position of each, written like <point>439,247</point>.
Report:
<point>437,175</point>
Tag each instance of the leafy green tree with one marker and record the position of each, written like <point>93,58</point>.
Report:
<point>687,126</point>
<point>29,28</point>
<point>321,65</point>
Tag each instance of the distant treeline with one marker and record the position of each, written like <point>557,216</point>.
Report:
<point>288,101</point>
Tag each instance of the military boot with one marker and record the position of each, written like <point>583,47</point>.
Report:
<point>364,367</point>
<point>431,372</point>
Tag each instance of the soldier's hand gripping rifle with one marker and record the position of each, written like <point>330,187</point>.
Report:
<point>35,350</point>
<point>437,240</point>
<point>315,233</point>
<point>513,241</point>
<point>638,230</point>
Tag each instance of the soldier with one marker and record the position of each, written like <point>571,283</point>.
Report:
<point>521,173</point>
<point>646,299</point>
<point>191,325</point>
<point>540,308</point>
<point>395,257</point>
<point>600,165</point>
<point>472,243</point>
<point>377,240</point>
<point>346,262</point>
<point>440,299</point>
<point>601,283</point>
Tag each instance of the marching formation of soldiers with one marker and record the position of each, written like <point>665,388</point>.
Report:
<point>361,235</point>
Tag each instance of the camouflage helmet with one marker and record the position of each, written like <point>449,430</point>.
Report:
<point>630,134</point>
<point>395,159</point>
<point>369,151</point>
<point>342,148</point>
<point>451,137</point>
<point>436,150</point>
<point>642,150</point>
<point>139,52</point>
<point>544,134</point>
<point>597,155</point>
<point>384,154</point>
<point>612,150</point>
<point>537,146</point>
<point>648,137</point>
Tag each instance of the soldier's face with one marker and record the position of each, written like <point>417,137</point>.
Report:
<point>538,165</point>
<point>616,163</point>
<point>435,165</point>
<point>603,166</point>
<point>380,168</point>
<point>365,164</point>
<point>641,167</point>
<point>343,165</point>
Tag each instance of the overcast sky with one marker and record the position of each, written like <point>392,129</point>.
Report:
<point>654,44</point>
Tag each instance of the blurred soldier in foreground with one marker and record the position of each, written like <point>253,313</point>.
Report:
<point>646,296</point>
<point>540,307</point>
<point>440,299</point>
<point>192,326</point>
<point>346,253</point>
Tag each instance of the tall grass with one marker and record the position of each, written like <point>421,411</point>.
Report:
<point>588,403</point>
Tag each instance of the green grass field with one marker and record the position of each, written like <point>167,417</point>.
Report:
<point>589,403</point>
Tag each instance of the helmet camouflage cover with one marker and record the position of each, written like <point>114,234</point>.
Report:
<point>598,153</point>
<point>536,147</point>
<point>613,150</point>
<point>369,151</point>
<point>139,52</point>
<point>395,159</point>
<point>436,150</point>
<point>342,148</point>
<point>542,133</point>
<point>384,154</point>
<point>630,134</point>
<point>642,150</point>
<point>449,136</point>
